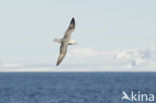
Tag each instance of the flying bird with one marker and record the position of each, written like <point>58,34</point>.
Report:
<point>65,41</point>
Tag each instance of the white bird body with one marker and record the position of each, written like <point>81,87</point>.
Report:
<point>69,42</point>
<point>65,41</point>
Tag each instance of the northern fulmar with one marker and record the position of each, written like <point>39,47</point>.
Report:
<point>65,41</point>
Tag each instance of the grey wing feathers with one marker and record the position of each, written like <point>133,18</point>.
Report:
<point>63,50</point>
<point>70,28</point>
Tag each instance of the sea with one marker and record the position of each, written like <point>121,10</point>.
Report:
<point>79,87</point>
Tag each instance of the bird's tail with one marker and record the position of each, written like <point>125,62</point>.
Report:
<point>57,40</point>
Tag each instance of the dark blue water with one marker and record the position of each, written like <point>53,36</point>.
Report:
<point>72,87</point>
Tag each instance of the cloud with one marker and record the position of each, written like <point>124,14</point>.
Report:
<point>86,59</point>
<point>88,52</point>
<point>138,57</point>
<point>123,60</point>
<point>90,55</point>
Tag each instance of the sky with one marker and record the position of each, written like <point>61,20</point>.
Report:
<point>104,28</point>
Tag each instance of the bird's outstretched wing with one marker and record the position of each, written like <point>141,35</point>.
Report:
<point>63,50</point>
<point>70,29</point>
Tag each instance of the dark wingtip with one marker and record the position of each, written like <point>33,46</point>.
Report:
<point>72,23</point>
<point>73,20</point>
<point>57,64</point>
